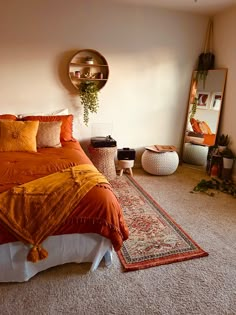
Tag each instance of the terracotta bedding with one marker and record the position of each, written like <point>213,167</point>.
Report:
<point>203,139</point>
<point>97,212</point>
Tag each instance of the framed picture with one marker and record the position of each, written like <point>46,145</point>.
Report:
<point>203,100</point>
<point>216,100</point>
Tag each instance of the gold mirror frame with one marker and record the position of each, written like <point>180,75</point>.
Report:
<point>203,115</point>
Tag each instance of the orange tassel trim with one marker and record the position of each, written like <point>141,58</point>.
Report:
<point>42,253</point>
<point>37,253</point>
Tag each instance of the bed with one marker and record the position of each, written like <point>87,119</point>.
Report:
<point>33,149</point>
<point>199,132</point>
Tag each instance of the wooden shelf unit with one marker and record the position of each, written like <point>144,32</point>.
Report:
<point>96,69</point>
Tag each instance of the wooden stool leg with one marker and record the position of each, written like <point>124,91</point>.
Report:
<point>130,171</point>
<point>121,172</point>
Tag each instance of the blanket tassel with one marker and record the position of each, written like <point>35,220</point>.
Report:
<point>37,253</point>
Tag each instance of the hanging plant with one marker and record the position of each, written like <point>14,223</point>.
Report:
<point>206,59</point>
<point>88,91</point>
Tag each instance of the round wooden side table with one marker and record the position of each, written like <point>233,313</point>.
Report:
<point>104,160</point>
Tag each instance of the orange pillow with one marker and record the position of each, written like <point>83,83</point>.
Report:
<point>205,128</point>
<point>18,135</point>
<point>8,116</point>
<point>66,127</point>
<point>195,125</point>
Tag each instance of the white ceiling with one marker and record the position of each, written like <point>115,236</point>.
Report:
<point>209,7</point>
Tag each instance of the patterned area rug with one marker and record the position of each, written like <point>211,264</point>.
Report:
<point>155,239</point>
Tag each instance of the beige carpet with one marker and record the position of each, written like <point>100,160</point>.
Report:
<point>200,286</point>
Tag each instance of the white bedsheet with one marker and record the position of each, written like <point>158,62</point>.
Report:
<point>89,247</point>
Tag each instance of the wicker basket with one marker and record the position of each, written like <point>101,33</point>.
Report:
<point>103,159</point>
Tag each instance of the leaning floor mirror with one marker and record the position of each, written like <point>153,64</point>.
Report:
<point>203,115</point>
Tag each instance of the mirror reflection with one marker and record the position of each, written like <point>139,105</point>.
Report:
<point>203,115</point>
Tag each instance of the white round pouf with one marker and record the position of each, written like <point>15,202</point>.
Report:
<point>195,154</point>
<point>165,163</point>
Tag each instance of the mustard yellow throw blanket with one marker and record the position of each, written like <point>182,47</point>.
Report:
<point>32,211</point>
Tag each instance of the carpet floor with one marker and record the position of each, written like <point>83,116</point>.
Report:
<point>203,286</point>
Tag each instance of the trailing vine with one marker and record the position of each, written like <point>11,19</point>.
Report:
<point>194,108</point>
<point>201,76</point>
<point>88,91</point>
<point>223,186</point>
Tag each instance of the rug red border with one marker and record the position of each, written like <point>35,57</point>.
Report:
<point>161,261</point>
<point>198,253</point>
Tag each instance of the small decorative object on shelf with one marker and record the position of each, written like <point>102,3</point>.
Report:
<point>89,60</point>
<point>77,74</point>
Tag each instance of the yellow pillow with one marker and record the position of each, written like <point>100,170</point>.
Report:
<point>18,135</point>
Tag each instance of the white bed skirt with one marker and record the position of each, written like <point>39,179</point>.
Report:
<point>68,248</point>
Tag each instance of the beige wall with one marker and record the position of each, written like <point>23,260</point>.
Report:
<point>225,48</point>
<point>151,53</point>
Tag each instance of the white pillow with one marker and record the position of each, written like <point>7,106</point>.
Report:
<point>58,112</point>
<point>189,126</point>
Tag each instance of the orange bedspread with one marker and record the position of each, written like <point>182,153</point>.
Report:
<point>204,139</point>
<point>98,211</point>
<point>209,139</point>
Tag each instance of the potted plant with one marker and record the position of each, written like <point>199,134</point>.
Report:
<point>228,154</point>
<point>88,91</point>
<point>222,142</point>
<point>228,161</point>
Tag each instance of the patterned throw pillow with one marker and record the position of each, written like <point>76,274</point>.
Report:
<point>18,135</point>
<point>66,127</point>
<point>49,134</point>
